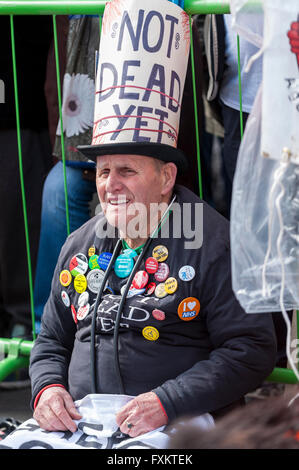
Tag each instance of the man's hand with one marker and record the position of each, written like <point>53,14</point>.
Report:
<point>144,413</point>
<point>293,36</point>
<point>55,410</point>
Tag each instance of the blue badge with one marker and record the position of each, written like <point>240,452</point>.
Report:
<point>130,252</point>
<point>123,265</point>
<point>104,260</point>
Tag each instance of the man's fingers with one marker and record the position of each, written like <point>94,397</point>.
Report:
<point>47,419</point>
<point>123,413</point>
<point>58,407</point>
<point>71,409</point>
<point>124,425</point>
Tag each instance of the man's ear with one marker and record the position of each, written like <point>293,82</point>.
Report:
<point>169,172</point>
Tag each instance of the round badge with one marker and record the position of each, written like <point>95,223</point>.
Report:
<point>83,299</point>
<point>104,260</point>
<point>123,266</point>
<point>151,265</point>
<point>83,311</point>
<point>65,278</point>
<point>150,288</point>
<point>160,253</point>
<point>188,308</point>
<point>186,273</point>
<point>74,314</point>
<point>160,291</point>
<point>151,333</point>
<point>65,298</point>
<point>171,285</point>
<point>140,280</point>
<point>91,251</point>
<point>162,274</point>
<point>93,262</point>
<point>134,291</point>
<point>130,253</point>
<point>158,314</point>
<point>78,264</point>
<point>80,283</point>
<point>94,280</point>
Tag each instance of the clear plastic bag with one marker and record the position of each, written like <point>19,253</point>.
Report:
<point>264,225</point>
<point>265,205</point>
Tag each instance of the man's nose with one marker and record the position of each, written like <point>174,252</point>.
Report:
<point>113,182</point>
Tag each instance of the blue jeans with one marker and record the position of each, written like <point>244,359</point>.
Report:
<point>53,225</point>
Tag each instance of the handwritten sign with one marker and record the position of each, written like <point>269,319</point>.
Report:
<point>141,72</point>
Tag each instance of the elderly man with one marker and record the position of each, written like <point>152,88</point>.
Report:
<point>176,360</point>
<point>141,301</point>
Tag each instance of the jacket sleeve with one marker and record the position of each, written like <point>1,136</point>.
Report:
<point>52,350</point>
<point>243,351</point>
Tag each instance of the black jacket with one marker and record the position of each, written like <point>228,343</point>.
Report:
<point>193,366</point>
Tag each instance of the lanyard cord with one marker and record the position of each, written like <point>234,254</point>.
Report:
<point>118,316</point>
<point>119,310</point>
<point>94,317</point>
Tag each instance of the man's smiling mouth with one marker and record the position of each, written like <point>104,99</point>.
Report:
<point>117,201</point>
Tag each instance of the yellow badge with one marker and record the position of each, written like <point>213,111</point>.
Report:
<point>171,285</point>
<point>150,333</point>
<point>91,251</point>
<point>160,253</point>
<point>65,278</point>
<point>160,291</point>
<point>80,283</point>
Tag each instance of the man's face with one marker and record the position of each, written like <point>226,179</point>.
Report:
<point>127,186</point>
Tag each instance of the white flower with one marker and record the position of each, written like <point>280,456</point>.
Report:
<point>78,104</point>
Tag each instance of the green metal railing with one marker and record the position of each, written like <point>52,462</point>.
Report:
<point>15,351</point>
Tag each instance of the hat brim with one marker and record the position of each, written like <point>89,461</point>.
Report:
<point>163,152</point>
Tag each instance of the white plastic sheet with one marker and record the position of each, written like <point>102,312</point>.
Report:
<point>96,430</point>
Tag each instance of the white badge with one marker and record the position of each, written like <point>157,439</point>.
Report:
<point>186,273</point>
<point>65,298</point>
<point>83,299</point>
<point>82,312</point>
<point>94,280</point>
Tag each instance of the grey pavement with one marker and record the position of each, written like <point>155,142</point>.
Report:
<point>15,403</point>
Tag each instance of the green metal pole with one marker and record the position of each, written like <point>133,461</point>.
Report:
<point>61,125</point>
<point>21,174</point>
<point>50,7</point>
<point>195,110</point>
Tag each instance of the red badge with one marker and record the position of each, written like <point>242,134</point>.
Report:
<point>150,289</point>
<point>158,314</point>
<point>140,279</point>
<point>162,273</point>
<point>74,313</point>
<point>151,265</point>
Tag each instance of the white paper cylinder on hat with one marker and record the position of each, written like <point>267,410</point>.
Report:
<point>141,72</point>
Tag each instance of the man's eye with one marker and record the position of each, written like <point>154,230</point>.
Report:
<point>103,173</point>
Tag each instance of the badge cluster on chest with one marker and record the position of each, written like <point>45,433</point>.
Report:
<point>86,274</point>
<point>77,273</point>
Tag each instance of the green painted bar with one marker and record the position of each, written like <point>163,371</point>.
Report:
<point>285,376</point>
<point>24,346</point>
<point>67,7</point>
<point>9,365</point>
